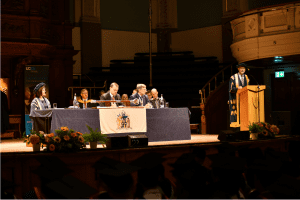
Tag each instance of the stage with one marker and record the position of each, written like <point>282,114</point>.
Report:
<point>18,161</point>
<point>18,145</point>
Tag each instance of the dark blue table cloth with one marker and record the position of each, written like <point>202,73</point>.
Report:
<point>162,124</point>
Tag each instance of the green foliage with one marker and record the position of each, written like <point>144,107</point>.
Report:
<point>94,136</point>
<point>255,128</point>
<point>32,132</point>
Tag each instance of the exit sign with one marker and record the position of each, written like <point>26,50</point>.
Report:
<point>279,74</point>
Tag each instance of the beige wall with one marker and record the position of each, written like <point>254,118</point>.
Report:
<point>203,41</point>
<point>124,44</point>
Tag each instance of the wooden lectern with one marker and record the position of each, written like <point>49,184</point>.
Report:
<point>250,106</point>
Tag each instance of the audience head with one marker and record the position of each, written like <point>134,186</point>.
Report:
<point>149,94</point>
<point>134,91</point>
<point>84,93</point>
<point>114,87</point>
<point>124,97</point>
<point>152,170</point>
<point>154,93</point>
<point>116,178</point>
<point>141,89</point>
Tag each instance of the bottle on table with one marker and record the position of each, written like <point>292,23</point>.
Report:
<point>75,101</point>
<point>162,101</point>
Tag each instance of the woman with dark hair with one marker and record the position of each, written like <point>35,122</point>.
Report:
<point>40,102</point>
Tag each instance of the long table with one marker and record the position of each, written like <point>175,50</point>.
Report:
<point>162,124</point>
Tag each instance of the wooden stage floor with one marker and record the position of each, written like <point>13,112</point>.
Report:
<point>18,145</point>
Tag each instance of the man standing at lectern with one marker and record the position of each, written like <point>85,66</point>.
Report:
<point>236,82</point>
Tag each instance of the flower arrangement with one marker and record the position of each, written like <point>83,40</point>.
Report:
<point>95,136</point>
<point>66,140</point>
<point>264,130</point>
<point>34,137</point>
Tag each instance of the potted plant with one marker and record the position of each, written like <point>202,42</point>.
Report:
<point>263,130</point>
<point>254,129</point>
<point>34,139</point>
<point>94,136</point>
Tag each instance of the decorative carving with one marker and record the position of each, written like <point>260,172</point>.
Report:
<point>12,28</point>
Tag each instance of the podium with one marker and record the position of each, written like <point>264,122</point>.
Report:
<point>250,106</point>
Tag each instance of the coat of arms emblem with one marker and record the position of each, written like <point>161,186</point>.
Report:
<point>123,120</point>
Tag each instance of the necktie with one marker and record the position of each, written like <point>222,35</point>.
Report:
<point>141,100</point>
<point>113,98</point>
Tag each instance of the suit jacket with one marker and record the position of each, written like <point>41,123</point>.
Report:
<point>107,96</point>
<point>137,96</point>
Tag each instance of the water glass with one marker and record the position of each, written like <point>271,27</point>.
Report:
<point>54,105</point>
<point>167,104</point>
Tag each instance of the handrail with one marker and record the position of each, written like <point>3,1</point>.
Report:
<point>214,78</point>
<point>90,88</point>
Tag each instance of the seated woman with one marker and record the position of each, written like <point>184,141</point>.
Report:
<point>40,102</point>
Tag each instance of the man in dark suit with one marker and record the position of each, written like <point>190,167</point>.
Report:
<point>112,94</point>
<point>140,99</point>
<point>84,97</point>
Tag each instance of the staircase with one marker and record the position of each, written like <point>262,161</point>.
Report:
<point>215,98</point>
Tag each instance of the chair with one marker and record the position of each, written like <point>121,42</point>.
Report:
<point>194,127</point>
<point>13,120</point>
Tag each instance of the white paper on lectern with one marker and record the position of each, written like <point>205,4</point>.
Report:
<point>123,120</point>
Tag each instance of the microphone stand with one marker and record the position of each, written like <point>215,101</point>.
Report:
<point>258,97</point>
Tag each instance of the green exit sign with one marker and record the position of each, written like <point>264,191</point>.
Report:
<point>279,74</point>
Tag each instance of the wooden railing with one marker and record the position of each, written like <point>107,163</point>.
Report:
<point>88,88</point>
<point>214,82</point>
<point>203,92</point>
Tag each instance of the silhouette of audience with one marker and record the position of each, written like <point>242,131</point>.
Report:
<point>233,173</point>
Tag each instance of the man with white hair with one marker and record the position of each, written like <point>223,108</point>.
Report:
<point>155,100</point>
<point>140,99</point>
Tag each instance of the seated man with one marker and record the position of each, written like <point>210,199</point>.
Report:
<point>149,94</point>
<point>155,100</point>
<point>134,91</point>
<point>84,97</point>
<point>101,93</point>
<point>140,99</point>
<point>112,94</point>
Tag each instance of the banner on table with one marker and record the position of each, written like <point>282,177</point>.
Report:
<point>33,75</point>
<point>125,120</point>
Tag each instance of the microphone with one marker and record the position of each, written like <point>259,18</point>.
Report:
<point>255,81</point>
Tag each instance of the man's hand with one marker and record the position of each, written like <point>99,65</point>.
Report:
<point>148,105</point>
<point>240,87</point>
<point>136,101</point>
